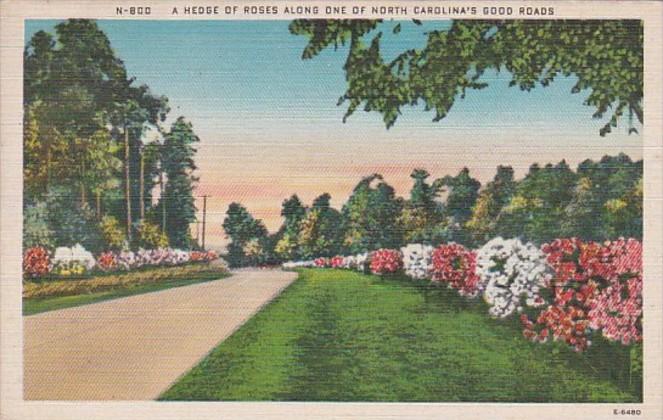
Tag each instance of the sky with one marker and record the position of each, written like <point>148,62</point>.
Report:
<point>270,126</point>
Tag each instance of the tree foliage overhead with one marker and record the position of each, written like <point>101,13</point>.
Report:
<point>606,57</point>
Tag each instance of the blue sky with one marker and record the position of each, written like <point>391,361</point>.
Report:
<point>270,127</point>
<point>248,67</point>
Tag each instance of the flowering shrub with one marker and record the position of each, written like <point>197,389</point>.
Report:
<point>596,287</point>
<point>617,309</point>
<point>36,261</point>
<point>126,260</point>
<point>71,268</point>
<point>211,255</point>
<point>147,257</point>
<point>510,271</point>
<point>77,261</point>
<point>322,262</point>
<point>197,256</point>
<point>356,262</point>
<point>384,261</point>
<point>455,265</point>
<point>336,262</point>
<point>567,290</point>
<point>298,264</point>
<point>417,260</point>
<point>353,262</point>
<point>72,261</point>
<point>181,257</point>
<point>107,261</point>
<point>203,256</point>
<point>360,261</point>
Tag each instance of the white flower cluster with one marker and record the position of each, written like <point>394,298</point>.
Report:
<point>180,257</point>
<point>289,265</point>
<point>511,271</point>
<point>417,260</point>
<point>65,256</point>
<point>355,262</point>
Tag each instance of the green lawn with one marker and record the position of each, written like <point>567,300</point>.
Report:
<point>37,305</point>
<point>341,336</point>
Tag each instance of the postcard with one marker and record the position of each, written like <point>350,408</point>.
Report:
<point>343,209</point>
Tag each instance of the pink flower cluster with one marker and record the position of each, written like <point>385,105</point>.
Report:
<point>336,262</point>
<point>322,262</point>
<point>385,261</point>
<point>596,287</point>
<point>456,265</point>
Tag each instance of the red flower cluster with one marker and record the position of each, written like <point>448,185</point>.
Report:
<point>384,261</point>
<point>596,287</point>
<point>322,262</point>
<point>36,261</point>
<point>336,262</point>
<point>564,323</point>
<point>203,256</point>
<point>456,265</point>
<point>107,261</point>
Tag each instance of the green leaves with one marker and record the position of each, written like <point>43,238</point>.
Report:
<point>178,165</point>
<point>605,56</point>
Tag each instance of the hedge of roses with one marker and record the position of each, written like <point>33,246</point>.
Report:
<point>596,287</point>
<point>455,265</point>
<point>385,261</point>
<point>567,290</point>
<point>36,262</point>
<point>417,260</point>
<point>513,273</point>
<point>76,261</point>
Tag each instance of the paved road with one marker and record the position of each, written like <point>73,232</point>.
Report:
<point>135,347</point>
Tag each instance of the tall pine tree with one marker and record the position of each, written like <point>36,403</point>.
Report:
<point>177,158</point>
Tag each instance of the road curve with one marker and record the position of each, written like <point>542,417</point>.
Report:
<point>133,348</point>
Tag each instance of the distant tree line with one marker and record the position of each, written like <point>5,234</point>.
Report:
<point>90,172</point>
<point>599,200</point>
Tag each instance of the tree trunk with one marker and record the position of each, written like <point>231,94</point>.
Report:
<point>48,167</point>
<point>127,180</point>
<point>142,186</point>
<point>162,194</point>
<point>83,196</point>
<point>98,204</point>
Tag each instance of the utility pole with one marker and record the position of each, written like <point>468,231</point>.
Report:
<point>204,217</point>
<point>162,195</point>
<point>142,184</point>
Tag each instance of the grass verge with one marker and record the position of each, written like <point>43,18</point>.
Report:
<point>51,295</point>
<point>342,336</point>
